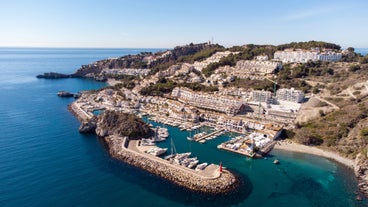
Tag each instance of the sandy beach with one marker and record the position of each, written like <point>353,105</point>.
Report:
<point>294,147</point>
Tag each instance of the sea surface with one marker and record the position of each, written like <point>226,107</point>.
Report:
<point>44,161</point>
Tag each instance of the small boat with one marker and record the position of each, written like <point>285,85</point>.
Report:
<point>190,138</point>
<point>147,142</point>
<point>156,151</point>
<point>276,162</point>
<point>201,166</point>
<point>193,163</point>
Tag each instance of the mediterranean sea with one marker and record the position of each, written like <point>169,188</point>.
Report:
<point>44,161</point>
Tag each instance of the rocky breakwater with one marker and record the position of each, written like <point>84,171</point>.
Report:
<point>216,183</point>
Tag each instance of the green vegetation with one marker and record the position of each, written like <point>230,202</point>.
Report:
<point>287,134</point>
<point>127,81</point>
<point>255,84</point>
<point>363,60</point>
<point>164,86</point>
<point>308,45</point>
<point>303,70</point>
<point>364,132</point>
<point>198,87</point>
<point>201,55</point>
<point>247,52</point>
<point>229,60</point>
<point>332,129</point>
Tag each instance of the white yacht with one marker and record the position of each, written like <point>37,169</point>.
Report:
<point>201,166</point>
<point>156,151</point>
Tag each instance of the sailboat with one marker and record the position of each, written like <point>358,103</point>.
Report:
<point>173,150</point>
<point>190,138</point>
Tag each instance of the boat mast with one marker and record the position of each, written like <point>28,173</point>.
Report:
<point>173,149</point>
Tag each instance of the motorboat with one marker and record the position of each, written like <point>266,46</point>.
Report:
<point>201,166</point>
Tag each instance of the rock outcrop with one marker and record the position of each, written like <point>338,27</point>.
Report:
<point>122,124</point>
<point>88,126</point>
<point>53,75</point>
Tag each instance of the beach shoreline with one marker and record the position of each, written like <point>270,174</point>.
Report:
<point>295,147</point>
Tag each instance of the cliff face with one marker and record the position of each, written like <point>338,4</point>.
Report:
<point>122,124</point>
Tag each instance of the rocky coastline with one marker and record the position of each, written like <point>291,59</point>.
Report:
<point>224,183</point>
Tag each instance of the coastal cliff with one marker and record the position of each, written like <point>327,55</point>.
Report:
<point>144,60</point>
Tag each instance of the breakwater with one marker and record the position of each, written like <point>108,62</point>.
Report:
<point>79,113</point>
<point>209,181</point>
<point>213,183</point>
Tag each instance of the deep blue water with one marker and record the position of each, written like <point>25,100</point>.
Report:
<point>44,161</point>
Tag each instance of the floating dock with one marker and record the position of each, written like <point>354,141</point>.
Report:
<point>215,133</point>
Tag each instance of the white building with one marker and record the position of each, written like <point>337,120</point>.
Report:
<point>261,96</point>
<point>291,95</point>
<point>303,56</point>
<point>255,67</point>
<point>224,104</point>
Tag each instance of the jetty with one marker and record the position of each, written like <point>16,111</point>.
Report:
<point>204,137</point>
<point>210,180</point>
<point>253,145</point>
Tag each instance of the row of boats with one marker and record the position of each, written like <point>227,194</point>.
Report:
<point>198,137</point>
<point>156,151</point>
<point>176,123</point>
<point>161,134</point>
<point>183,159</point>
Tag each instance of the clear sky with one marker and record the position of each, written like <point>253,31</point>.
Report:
<point>167,23</point>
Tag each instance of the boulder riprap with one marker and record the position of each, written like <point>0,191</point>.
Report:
<point>122,124</point>
<point>88,126</point>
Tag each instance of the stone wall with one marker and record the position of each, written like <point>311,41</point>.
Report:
<point>224,183</point>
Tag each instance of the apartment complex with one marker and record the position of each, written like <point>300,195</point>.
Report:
<point>214,102</point>
<point>261,96</point>
<point>303,56</point>
<point>291,95</point>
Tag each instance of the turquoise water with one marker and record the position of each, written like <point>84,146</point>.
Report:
<point>44,161</point>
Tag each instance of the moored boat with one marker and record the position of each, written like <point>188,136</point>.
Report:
<point>201,166</point>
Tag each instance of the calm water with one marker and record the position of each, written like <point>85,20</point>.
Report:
<point>44,161</point>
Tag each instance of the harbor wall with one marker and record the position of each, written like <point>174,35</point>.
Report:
<point>226,182</point>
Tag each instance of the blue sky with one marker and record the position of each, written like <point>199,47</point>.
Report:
<point>167,23</point>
